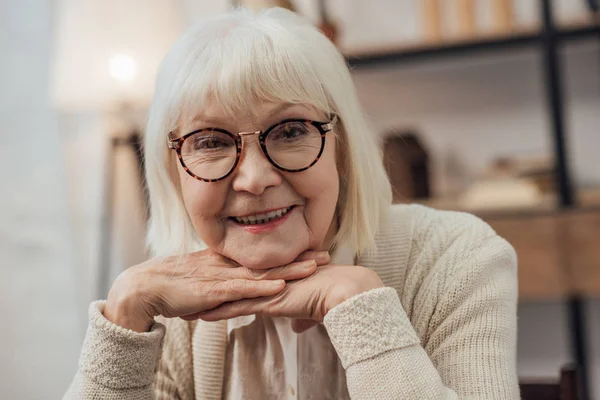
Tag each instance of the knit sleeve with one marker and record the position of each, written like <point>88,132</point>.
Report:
<point>470,352</point>
<point>118,363</point>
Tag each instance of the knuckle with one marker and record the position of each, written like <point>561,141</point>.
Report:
<point>254,273</point>
<point>238,286</point>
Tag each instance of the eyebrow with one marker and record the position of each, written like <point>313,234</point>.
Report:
<point>223,121</point>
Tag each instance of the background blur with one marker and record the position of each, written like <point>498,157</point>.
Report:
<point>480,105</point>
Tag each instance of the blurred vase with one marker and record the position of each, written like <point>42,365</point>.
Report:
<point>406,161</point>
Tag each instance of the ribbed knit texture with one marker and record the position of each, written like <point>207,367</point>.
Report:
<point>357,340</point>
<point>444,327</point>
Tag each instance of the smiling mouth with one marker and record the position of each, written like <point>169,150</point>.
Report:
<point>262,218</point>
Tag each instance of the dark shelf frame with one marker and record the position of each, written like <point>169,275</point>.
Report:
<point>467,47</point>
<point>548,40</point>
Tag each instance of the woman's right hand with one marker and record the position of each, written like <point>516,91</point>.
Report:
<point>196,282</point>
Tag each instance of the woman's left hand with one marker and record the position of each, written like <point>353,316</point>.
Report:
<point>307,300</point>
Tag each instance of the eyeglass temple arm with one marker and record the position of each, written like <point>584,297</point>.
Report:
<point>329,126</point>
<point>173,143</point>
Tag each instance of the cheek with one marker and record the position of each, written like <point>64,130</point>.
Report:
<point>203,202</point>
<point>320,183</point>
<point>319,186</point>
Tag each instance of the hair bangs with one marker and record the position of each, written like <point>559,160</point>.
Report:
<point>250,64</point>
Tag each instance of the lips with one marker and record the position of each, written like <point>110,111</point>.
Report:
<point>262,218</point>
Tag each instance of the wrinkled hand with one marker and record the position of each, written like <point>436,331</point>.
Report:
<point>200,281</point>
<point>307,300</point>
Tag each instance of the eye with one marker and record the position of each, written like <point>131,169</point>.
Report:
<point>211,142</point>
<point>289,131</point>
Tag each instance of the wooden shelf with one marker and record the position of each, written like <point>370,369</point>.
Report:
<point>548,205</point>
<point>558,249</point>
<point>558,253</point>
<point>419,51</point>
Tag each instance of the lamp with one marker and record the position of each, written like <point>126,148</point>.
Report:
<point>107,51</point>
<point>106,56</point>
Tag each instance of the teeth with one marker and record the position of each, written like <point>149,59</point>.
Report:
<point>262,218</point>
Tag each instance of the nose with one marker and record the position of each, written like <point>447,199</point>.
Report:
<point>254,173</point>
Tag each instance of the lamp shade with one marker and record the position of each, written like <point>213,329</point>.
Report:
<point>107,52</point>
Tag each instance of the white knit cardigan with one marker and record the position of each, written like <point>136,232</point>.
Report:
<point>444,327</point>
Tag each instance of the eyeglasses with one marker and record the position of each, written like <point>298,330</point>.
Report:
<point>212,154</point>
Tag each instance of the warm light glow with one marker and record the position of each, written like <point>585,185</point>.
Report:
<point>122,67</point>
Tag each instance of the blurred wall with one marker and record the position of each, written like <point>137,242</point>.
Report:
<point>40,337</point>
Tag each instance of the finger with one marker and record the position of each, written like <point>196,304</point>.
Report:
<point>191,317</point>
<point>302,325</point>
<point>321,257</point>
<point>290,272</point>
<point>238,289</point>
<point>233,309</point>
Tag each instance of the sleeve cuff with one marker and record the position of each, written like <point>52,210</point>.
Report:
<point>369,324</point>
<point>117,357</point>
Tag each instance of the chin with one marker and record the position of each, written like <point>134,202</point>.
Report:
<point>267,258</point>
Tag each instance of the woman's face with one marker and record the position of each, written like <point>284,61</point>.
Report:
<point>257,187</point>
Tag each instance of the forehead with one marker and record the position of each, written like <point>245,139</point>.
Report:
<point>259,113</point>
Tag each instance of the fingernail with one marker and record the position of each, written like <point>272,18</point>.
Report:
<point>322,256</point>
<point>277,282</point>
<point>309,263</point>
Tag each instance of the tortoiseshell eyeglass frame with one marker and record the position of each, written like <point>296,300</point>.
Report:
<point>323,127</point>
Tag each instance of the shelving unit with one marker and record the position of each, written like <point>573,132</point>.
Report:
<point>422,51</point>
<point>548,38</point>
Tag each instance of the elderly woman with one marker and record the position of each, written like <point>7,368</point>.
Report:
<point>280,268</point>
